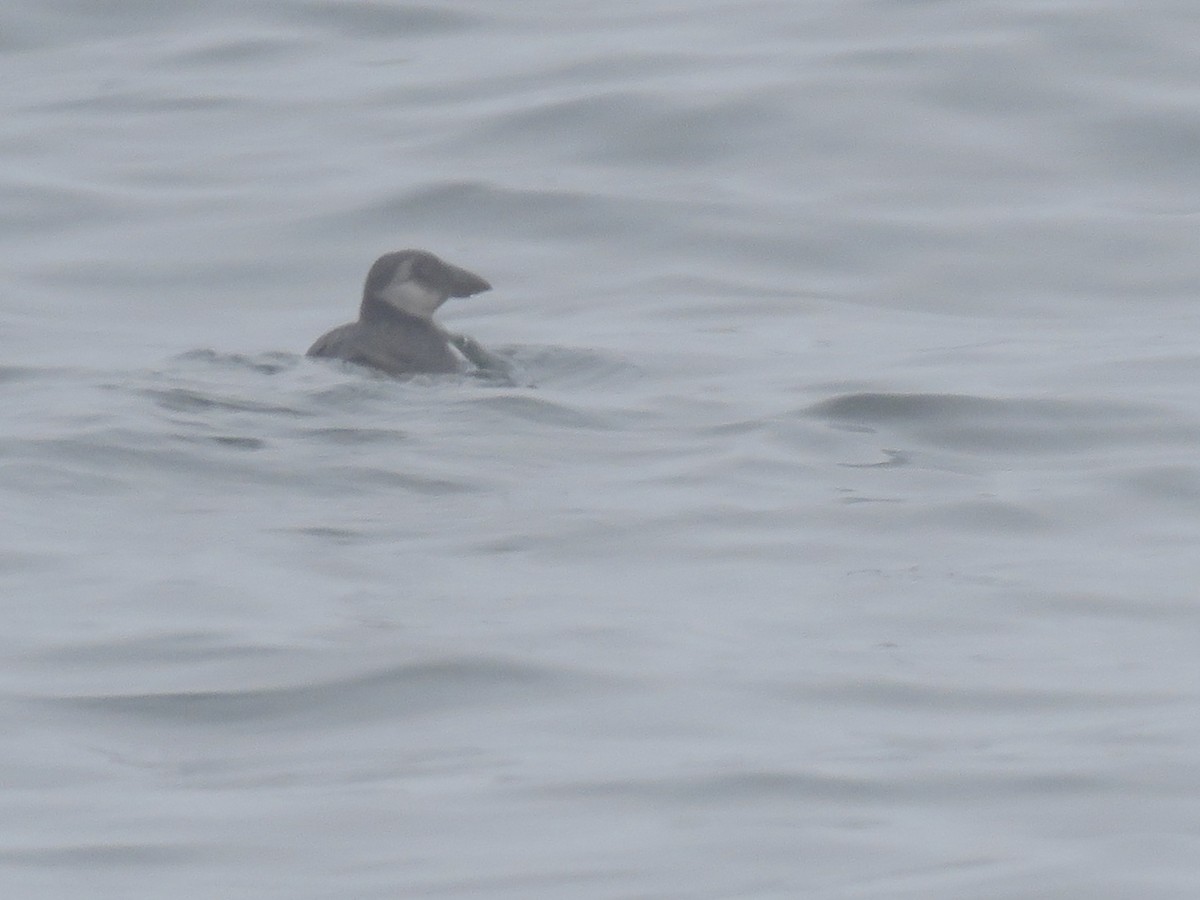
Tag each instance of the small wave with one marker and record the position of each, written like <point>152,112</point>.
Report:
<point>569,367</point>
<point>408,689</point>
<point>270,363</point>
<point>355,436</point>
<point>102,856</point>
<point>379,21</point>
<point>789,787</point>
<point>191,400</point>
<point>538,410</point>
<point>1008,425</point>
<point>18,373</point>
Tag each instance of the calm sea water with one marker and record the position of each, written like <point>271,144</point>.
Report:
<point>838,537</point>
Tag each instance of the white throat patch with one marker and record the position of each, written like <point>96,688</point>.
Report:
<point>410,296</point>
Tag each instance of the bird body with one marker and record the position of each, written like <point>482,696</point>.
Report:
<point>395,332</point>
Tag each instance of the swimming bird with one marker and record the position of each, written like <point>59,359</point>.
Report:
<point>395,332</point>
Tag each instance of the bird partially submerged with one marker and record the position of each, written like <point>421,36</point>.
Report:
<point>395,332</point>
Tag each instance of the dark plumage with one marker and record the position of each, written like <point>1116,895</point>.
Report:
<point>395,331</point>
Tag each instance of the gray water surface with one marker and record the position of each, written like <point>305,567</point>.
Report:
<point>836,536</point>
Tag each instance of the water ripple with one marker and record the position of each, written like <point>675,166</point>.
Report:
<point>990,425</point>
<point>396,691</point>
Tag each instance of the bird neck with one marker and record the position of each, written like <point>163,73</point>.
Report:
<point>374,309</point>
